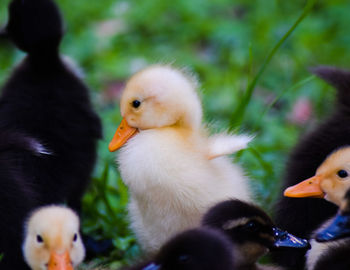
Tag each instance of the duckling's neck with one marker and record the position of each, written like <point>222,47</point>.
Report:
<point>189,123</point>
<point>184,131</point>
<point>247,267</point>
<point>184,125</point>
<point>45,62</point>
<point>256,266</point>
<point>246,256</point>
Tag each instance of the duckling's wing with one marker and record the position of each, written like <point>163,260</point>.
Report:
<point>10,141</point>
<point>225,144</point>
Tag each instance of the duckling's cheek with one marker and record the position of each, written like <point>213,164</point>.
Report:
<point>148,119</point>
<point>131,121</point>
<point>38,258</point>
<point>250,252</point>
<point>334,190</point>
<point>327,186</point>
<point>339,193</point>
<point>44,256</point>
<point>77,254</point>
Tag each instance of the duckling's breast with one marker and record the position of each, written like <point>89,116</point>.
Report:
<point>172,184</point>
<point>320,252</point>
<point>155,157</point>
<point>166,161</point>
<point>324,255</point>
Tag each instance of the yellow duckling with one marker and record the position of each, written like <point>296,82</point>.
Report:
<point>174,171</point>
<point>52,239</point>
<point>331,181</point>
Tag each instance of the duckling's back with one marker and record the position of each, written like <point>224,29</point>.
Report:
<point>45,100</point>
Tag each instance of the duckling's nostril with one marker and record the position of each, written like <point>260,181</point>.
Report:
<point>283,236</point>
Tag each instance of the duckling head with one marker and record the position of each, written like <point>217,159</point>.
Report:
<point>158,96</point>
<point>35,26</point>
<point>331,181</point>
<point>195,249</point>
<point>250,229</point>
<point>52,239</point>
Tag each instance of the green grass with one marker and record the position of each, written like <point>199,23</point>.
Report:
<point>238,115</point>
<point>251,57</point>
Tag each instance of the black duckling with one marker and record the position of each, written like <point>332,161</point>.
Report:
<point>46,102</point>
<point>195,249</point>
<point>331,242</point>
<point>251,231</point>
<point>302,216</point>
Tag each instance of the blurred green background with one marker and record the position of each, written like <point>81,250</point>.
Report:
<point>223,42</point>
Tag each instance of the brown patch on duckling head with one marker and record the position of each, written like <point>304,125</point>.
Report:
<point>251,236</point>
<point>332,178</point>
<point>161,96</point>
<point>249,228</point>
<point>52,239</point>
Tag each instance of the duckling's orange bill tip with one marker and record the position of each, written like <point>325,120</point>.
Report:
<point>123,133</point>
<point>308,188</point>
<point>60,261</point>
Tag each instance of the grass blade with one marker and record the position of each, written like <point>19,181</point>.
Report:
<point>238,115</point>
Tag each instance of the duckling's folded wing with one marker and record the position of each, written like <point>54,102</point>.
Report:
<point>225,144</point>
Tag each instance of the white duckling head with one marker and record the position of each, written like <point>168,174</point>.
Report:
<point>158,96</point>
<point>52,239</point>
<point>331,181</point>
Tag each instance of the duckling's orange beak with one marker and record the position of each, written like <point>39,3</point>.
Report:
<point>60,261</point>
<point>123,133</point>
<point>308,188</point>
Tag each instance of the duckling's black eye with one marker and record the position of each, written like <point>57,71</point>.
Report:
<point>183,259</point>
<point>136,103</point>
<point>342,173</point>
<point>39,239</point>
<point>75,237</point>
<point>252,226</point>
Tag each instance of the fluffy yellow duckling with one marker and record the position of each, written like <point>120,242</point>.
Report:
<point>174,171</point>
<point>52,239</point>
<point>331,181</point>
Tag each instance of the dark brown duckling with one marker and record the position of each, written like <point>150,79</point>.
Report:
<point>196,249</point>
<point>251,232</point>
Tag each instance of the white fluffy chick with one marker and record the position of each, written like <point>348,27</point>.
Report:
<point>174,171</point>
